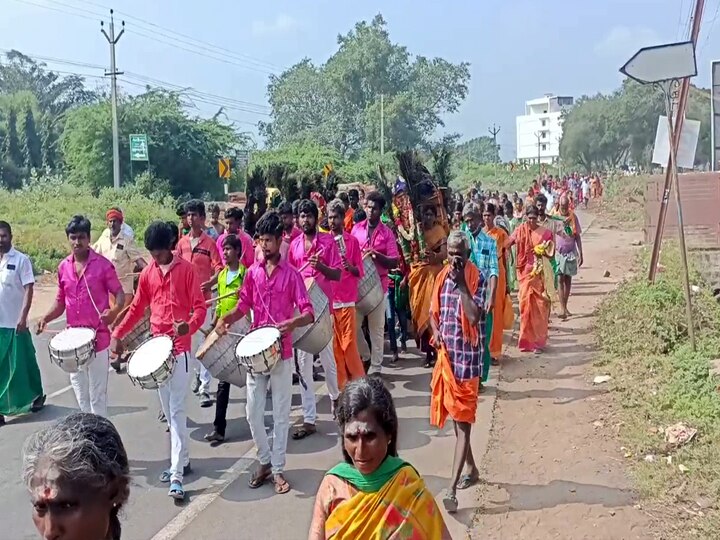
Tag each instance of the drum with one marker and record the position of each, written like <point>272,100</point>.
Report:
<point>260,350</point>
<point>370,290</point>
<point>217,354</point>
<point>139,334</point>
<point>72,348</point>
<point>315,337</point>
<point>152,363</point>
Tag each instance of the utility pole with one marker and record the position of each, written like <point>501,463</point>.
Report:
<point>382,124</point>
<point>112,40</point>
<point>678,124</point>
<point>494,131</point>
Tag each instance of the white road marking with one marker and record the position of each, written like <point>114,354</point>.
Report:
<point>199,503</point>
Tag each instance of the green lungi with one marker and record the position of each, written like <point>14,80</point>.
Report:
<point>486,347</point>
<point>20,382</point>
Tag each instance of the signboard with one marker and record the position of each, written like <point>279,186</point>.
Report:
<point>662,63</point>
<point>686,149</point>
<point>327,169</point>
<point>224,169</point>
<point>139,148</point>
<point>242,158</point>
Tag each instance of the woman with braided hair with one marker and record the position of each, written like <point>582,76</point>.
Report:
<point>78,476</point>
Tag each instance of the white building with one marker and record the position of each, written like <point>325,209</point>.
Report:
<point>539,130</point>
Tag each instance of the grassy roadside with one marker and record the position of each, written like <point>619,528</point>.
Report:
<point>659,381</point>
<point>39,213</point>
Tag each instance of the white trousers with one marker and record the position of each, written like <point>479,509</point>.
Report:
<point>201,370</point>
<point>172,399</point>
<point>305,361</point>
<point>90,384</point>
<point>256,386</point>
<point>376,325</point>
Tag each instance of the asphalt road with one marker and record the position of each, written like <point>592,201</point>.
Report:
<point>219,499</point>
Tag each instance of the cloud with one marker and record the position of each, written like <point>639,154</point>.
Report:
<point>282,24</point>
<point>621,42</point>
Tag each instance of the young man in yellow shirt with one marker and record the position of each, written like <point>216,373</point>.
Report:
<point>229,280</point>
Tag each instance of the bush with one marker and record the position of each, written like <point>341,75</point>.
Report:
<point>40,211</point>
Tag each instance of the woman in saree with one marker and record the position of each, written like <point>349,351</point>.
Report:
<point>501,237</point>
<point>373,494</point>
<point>421,279</point>
<point>514,213</point>
<point>535,250</point>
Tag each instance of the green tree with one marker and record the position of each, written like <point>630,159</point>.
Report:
<point>480,150</point>
<point>32,145</point>
<point>13,151</point>
<point>337,104</point>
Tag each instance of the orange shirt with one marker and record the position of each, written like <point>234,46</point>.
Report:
<point>204,257</point>
<point>348,222</point>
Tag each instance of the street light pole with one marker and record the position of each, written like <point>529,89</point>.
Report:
<point>112,40</point>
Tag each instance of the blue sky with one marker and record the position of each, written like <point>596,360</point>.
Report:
<point>517,49</point>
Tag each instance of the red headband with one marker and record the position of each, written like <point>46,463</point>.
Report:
<point>114,214</point>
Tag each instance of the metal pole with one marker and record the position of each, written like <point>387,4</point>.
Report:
<point>537,134</point>
<point>382,124</point>
<point>674,143</point>
<point>681,227</point>
<point>112,40</point>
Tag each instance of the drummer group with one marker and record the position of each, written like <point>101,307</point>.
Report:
<point>274,280</point>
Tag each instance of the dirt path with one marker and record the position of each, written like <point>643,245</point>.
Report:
<point>554,468</point>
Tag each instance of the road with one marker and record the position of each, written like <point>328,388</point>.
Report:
<point>219,499</point>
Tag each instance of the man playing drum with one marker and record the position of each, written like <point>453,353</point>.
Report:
<point>377,240</point>
<point>170,288</point>
<point>120,249</point>
<point>347,357</point>
<point>86,281</point>
<point>199,249</point>
<point>274,290</point>
<point>316,255</point>
<point>230,280</point>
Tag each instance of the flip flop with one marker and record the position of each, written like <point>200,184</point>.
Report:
<point>450,503</point>
<point>304,431</point>
<point>258,478</point>
<point>281,486</point>
<point>467,480</point>
<point>176,491</point>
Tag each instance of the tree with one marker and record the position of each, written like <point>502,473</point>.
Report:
<point>183,150</point>
<point>32,146</point>
<point>338,104</point>
<point>480,150</point>
<point>13,151</point>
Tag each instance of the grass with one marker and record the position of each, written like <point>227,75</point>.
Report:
<point>623,203</point>
<point>39,213</point>
<point>660,381</point>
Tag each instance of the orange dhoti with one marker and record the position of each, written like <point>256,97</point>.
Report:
<point>347,355</point>
<point>450,397</point>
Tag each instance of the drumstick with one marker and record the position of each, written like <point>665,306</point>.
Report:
<point>304,266</point>
<point>228,295</point>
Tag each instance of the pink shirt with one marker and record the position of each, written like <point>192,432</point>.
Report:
<point>248,248</point>
<point>274,299</point>
<point>347,289</point>
<point>100,280</point>
<point>383,241</point>
<point>259,257</point>
<point>175,296</point>
<point>294,233</point>
<point>330,256</point>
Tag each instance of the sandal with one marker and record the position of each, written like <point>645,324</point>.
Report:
<point>304,431</point>
<point>467,480</point>
<point>166,476</point>
<point>259,477</point>
<point>176,491</point>
<point>450,503</point>
<point>281,485</point>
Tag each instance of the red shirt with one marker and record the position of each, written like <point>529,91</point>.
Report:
<point>175,296</point>
<point>204,256</point>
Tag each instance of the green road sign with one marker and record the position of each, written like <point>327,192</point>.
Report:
<point>139,148</point>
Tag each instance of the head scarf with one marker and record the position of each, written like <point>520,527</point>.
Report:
<point>115,214</point>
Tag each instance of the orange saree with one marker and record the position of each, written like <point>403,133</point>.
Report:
<point>533,295</point>
<point>501,297</point>
<point>421,281</point>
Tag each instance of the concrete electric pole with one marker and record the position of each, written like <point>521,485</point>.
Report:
<point>494,131</point>
<point>382,124</point>
<point>113,73</point>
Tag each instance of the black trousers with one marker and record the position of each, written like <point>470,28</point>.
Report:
<point>221,405</point>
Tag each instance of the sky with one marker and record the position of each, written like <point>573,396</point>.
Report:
<point>517,49</point>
